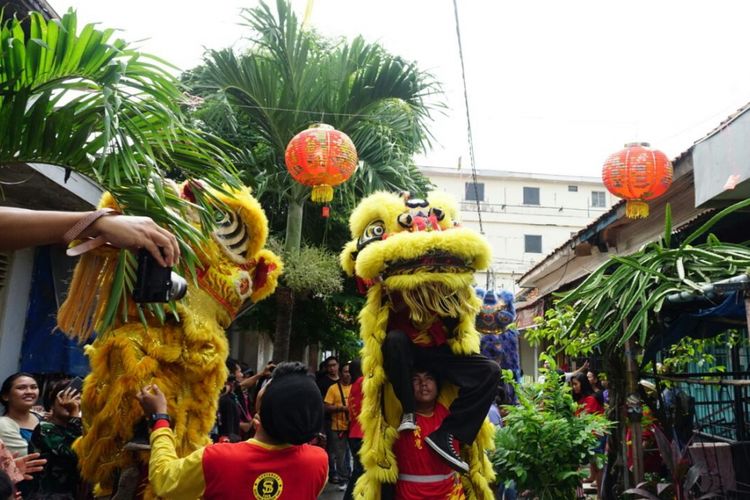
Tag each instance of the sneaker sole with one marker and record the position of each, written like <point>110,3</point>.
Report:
<point>407,427</point>
<point>459,466</point>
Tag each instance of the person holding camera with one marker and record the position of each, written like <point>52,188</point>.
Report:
<point>228,416</point>
<point>276,463</point>
<point>53,440</point>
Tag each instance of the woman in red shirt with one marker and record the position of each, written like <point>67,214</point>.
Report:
<point>584,395</point>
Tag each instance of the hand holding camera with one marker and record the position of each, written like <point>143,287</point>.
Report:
<point>156,283</point>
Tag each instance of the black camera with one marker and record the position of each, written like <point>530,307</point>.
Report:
<point>156,283</point>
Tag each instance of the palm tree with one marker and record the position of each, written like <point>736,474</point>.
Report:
<point>92,104</point>
<point>292,78</point>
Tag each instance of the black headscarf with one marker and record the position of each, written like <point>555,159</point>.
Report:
<point>291,408</point>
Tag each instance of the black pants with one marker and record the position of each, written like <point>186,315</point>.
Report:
<point>354,445</point>
<point>476,377</point>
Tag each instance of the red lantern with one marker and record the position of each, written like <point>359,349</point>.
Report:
<point>321,157</point>
<point>637,173</point>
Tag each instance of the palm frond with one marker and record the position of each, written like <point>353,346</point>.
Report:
<point>91,103</point>
<point>291,78</point>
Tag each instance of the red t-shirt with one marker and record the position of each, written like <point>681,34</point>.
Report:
<point>415,457</point>
<point>355,408</point>
<point>250,470</point>
<point>590,404</point>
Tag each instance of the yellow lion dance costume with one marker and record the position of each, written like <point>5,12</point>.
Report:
<point>185,355</point>
<point>415,249</point>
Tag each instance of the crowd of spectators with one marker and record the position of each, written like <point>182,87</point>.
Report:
<point>35,451</point>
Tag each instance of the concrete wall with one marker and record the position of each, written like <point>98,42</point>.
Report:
<point>14,301</point>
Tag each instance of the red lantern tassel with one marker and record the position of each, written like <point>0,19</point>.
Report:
<point>326,212</point>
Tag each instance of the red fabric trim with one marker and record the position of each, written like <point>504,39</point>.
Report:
<point>260,276</point>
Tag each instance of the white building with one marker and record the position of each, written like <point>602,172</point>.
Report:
<point>524,216</point>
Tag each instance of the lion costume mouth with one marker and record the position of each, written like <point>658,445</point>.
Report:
<point>433,262</point>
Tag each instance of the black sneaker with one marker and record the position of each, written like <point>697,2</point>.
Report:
<point>408,422</point>
<point>442,443</point>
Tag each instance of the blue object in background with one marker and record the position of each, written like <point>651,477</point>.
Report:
<point>46,349</point>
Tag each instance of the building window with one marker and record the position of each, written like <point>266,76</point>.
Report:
<point>598,199</point>
<point>530,196</point>
<point>532,243</point>
<point>474,191</point>
<point>573,189</point>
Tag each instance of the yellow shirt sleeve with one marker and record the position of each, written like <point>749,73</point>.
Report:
<point>170,476</point>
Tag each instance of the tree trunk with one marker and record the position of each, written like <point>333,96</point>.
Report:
<point>294,215</point>
<point>634,411</point>
<point>284,295</point>
<point>614,366</point>
<point>284,310</point>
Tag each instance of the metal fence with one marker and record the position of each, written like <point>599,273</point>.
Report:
<point>720,441</point>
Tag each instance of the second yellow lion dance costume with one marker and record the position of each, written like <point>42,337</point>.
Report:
<point>185,356</point>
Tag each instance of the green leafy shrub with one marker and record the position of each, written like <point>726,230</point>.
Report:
<point>543,444</point>
<point>313,270</point>
<point>552,327</point>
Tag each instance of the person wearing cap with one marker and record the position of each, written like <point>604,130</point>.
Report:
<point>274,464</point>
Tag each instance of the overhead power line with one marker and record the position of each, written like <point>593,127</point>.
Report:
<point>468,119</point>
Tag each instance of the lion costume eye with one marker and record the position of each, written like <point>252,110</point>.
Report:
<point>373,232</point>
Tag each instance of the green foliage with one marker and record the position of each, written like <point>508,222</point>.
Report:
<point>543,445</point>
<point>691,354</point>
<point>689,350</point>
<point>331,321</point>
<point>629,291</point>
<point>291,78</point>
<point>312,270</point>
<point>551,328</point>
<point>86,101</point>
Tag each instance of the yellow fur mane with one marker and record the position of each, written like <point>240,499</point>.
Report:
<point>184,356</point>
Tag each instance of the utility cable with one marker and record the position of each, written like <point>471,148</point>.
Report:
<point>468,119</point>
